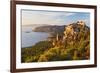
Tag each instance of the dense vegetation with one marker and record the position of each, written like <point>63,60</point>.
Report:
<point>72,44</point>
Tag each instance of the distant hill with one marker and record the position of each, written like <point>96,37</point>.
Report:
<point>50,28</point>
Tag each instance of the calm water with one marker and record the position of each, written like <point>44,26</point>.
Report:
<point>30,38</point>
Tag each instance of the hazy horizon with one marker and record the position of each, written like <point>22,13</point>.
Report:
<point>33,17</point>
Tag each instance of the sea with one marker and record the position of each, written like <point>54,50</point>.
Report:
<point>30,38</point>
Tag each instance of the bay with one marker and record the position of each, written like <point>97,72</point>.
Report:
<point>30,38</point>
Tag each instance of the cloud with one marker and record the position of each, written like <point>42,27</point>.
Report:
<point>48,17</point>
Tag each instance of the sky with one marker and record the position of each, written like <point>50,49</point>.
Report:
<point>53,17</point>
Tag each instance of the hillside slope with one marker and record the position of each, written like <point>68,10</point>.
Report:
<point>73,44</point>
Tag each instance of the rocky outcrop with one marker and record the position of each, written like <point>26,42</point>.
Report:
<point>72,30</point>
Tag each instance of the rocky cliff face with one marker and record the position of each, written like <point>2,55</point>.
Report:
<point>74,34</point>
<point>73,30</point>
